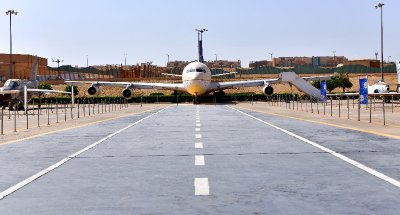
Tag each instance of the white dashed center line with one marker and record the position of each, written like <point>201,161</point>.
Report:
<point>198,136</point>
<point>198,125</point>
<point>201,187</point>
<point>198,145</point>
<point>199,160</point>
<point>197,129</point>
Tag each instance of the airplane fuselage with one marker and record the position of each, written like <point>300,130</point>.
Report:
<point>196,78</point>
<point>16,85</point>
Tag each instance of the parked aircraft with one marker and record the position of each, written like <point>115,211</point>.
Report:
<point>12,93</point>
<point>382,87</point>
<point>196,80</point>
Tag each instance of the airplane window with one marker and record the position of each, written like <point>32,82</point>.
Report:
<point>201,70</point>
<point>13,84</point>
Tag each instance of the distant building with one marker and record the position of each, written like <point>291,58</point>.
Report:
<point>211,64</point>
<point>291,61</point>
<point>21,66</point>
<point>260,63</point>
<point>364,62</point>
<point>328,61</point>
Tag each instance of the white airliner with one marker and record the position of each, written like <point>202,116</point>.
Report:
<point>382,87</point>
<point>196,80</point>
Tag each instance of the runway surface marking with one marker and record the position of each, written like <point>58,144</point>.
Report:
<point>198,125</point>
<point>201,187</point>
<point>23,183</point>
<point>331,124</point>
<point>336,154</point>
<point>199,160</point>
<point>200,184</point>
<point>198,145</point>
<point>73,127</point>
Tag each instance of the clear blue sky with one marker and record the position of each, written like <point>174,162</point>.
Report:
<point>146,30</point>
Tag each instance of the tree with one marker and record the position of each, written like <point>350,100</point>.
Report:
<point>330,85</point>
<point>69,89</point>
<point>338,80</point>
<point>45,86</point>
<point>343,81</point>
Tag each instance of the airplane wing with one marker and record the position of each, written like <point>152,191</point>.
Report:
<point>234,84</point>
<point>222,74</point>
<point>46,91</point>
<point>9,92</point>
<point>133,85</point>
<point>168,74</point>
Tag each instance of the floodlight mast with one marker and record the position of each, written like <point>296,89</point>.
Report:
<point>58,65</point>
<point>10,13</point>
<point>380,5</point>
<point>200,43</point>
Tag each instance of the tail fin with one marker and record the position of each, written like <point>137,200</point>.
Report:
<point>398,75</point>
<point>34,69</point>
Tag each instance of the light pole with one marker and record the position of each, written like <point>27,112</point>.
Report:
<point>334,57</point>
<point>380,5</point>
<point>11,12</point>
<point>200,42</point>
<point>58,65</point>
<point>167,58</point>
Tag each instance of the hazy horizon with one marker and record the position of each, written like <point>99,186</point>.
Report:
<point>237,30</point>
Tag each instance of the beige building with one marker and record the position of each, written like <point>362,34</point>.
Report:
<point>211,64</point>
<point>21,66</point>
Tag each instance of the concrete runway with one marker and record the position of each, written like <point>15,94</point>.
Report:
<point>203,159</point>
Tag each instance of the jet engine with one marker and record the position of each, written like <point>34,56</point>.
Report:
<point>127,93</point>
<point>93,90</point>
<point>268,90</point>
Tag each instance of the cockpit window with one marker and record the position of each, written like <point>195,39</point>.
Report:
<point>190,70</point>
<point>11,84</point>
<point>200,70</point>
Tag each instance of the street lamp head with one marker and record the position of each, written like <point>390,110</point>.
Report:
<point>379,5</point>
<point>201,30</point>
<point>11,12</point>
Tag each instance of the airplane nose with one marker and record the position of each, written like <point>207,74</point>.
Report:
<point>197,75</point>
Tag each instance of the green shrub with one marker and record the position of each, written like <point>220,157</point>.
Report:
<point>69,89</point>
<point>45,86</point>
